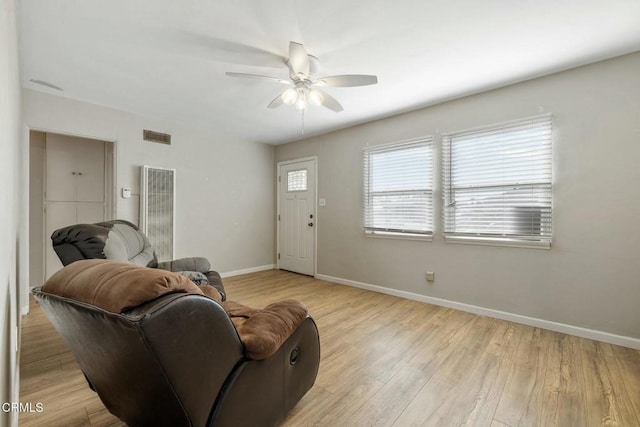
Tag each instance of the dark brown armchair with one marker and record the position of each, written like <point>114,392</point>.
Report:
<point>167,355</point>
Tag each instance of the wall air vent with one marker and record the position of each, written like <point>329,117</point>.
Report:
<point>162,138</point>
<point>157,209</point>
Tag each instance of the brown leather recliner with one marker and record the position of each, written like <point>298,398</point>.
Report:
<point>177,360</point>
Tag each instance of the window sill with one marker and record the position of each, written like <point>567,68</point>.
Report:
<point>497,241</point>
<point>401,236</point>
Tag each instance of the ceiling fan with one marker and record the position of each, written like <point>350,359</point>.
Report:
<point>305,83</point>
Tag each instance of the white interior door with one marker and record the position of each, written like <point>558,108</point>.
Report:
<point>61,168</point>
<point>74,187</point>
<point>297,216</point>
<point>89,213</point>
<point>90,182</point>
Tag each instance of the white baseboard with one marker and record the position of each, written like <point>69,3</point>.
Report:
<point>247,270</point>
<point>482,311</point>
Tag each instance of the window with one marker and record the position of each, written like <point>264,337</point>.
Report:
<point>497,184</point>
<point>297,180</point>
<point>398,189</point>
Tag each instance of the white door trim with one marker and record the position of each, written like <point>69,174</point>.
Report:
<point>314,159</point>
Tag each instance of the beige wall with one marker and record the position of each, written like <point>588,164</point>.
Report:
<point>12,211</point>
<point>225,194</point>
<point>591,276</point>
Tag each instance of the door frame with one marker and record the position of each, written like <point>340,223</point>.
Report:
<point>280,164</point>
<point>110,172</point>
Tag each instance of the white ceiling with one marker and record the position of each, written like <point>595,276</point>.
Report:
<point>167,59</point>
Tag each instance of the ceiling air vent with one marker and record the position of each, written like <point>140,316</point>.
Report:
<point>162,138</point>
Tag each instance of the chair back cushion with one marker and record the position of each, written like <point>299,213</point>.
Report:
<point>116,286</point>
<point>117,240</point>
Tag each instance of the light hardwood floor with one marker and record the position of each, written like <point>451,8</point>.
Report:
<point>388,361</point>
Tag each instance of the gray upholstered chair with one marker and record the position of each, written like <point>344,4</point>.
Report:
<point>120,240</point>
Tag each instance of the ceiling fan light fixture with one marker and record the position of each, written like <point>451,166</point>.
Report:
<point>301,101</point>
<point>289,96</point>
<point>315,97</point>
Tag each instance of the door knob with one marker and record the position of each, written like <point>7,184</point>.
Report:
<point>310,224</point>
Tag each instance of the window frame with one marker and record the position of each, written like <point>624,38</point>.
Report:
<point>539,241</point>
<point>389,233</point>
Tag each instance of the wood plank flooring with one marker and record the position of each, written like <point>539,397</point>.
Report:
<point>388,361</point>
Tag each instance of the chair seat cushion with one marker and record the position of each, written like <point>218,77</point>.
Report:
<point>262,331</point>
<point>115,286</point>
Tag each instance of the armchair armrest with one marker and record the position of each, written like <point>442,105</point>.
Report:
<point>263,331</point>
<point>199,264</point>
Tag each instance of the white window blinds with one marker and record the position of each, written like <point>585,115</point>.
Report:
<point>497,182</point>
<point>398,188</point>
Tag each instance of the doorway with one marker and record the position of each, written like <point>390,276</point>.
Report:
<point>297,218</point>
<point>71,181</point>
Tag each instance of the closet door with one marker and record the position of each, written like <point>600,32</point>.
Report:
<point>89,171</point>
<point>60,167</point>
<point>75,187</point>
<point>88,213</point>
<point>75,169</point>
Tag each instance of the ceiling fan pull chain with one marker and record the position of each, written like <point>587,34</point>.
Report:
<point>302,130</point>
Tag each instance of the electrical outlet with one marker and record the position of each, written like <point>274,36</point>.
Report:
<point>430,276</point>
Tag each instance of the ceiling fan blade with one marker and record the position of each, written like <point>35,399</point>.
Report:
<point>298,59</point>
<point>277,101</point>
<point>257,76</point>
<point>209,48</point>
<point>347,80</point>
<point>330,102</point>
